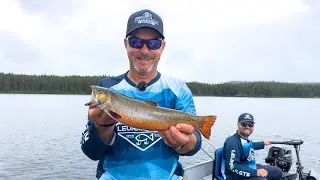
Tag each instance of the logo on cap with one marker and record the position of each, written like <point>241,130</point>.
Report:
<point>146,18</point>
<point>247,116</point>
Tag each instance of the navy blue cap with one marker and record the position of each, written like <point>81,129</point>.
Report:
<point>145,18</point>
<point>245,117</point>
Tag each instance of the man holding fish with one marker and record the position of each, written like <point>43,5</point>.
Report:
<point>140,122</point>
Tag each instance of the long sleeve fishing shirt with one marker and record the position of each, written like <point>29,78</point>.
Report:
<point>239,157</point>
<point>135,153</point>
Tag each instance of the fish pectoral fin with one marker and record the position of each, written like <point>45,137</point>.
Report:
<point>110,112</point>
<point>152,103</point>
<point>113,114</point>
<point>102,106</point>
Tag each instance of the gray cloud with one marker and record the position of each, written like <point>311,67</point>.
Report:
<point>285,51</point>
<point>49,8</point>
<point>16,50</point>
<point>72,38</point>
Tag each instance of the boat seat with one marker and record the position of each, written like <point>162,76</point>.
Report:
<point>218,165</point>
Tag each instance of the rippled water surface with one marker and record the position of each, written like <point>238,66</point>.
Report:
<point>40,134</point>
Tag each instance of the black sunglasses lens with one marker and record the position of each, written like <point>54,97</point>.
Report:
<point>135,42</point>
<point>245,124</point>
<point>154,44</point>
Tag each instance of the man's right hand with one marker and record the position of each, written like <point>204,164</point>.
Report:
<point>262,172</point>
<point>100,120</point>
<point>99,117</point>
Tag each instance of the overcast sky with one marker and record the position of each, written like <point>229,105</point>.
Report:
<point>207,40</point>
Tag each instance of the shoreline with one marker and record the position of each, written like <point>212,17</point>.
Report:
<point>77,94</point>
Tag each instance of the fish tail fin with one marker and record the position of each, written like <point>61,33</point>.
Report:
<point>208,122</point>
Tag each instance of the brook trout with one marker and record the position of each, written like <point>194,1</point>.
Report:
<point>145,114</point>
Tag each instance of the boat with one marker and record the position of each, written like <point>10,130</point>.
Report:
<point>200,171</point>
<point>277,156</point>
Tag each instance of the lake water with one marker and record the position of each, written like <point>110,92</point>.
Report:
<point>40,134</point>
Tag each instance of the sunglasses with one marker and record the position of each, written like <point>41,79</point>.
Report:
<point>152,44</point>
<point>245,124</point>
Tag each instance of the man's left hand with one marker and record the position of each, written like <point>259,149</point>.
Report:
<point>181,137</point>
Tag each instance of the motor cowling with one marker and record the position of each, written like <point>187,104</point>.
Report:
<point>280,157</point>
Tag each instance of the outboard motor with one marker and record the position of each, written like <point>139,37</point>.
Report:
<point>280,157</point>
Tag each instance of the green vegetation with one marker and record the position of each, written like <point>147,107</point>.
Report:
<point>49,84</point>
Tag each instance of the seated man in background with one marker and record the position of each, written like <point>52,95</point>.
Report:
<point>239,157</point>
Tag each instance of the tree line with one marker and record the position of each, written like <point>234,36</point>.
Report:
<point>51,84</point>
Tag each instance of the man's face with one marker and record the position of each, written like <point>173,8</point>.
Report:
<point>144,61</point>
<point>245,128</point>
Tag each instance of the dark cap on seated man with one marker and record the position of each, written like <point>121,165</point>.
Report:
<point>145,18</point>
<point>245,117</point>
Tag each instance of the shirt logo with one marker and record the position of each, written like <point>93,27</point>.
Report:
<point>139,138</point>
<point>251,156</point>
<point>146,18</point>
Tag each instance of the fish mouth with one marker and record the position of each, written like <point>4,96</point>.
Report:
<point>92,104</point>
<point>111,113</point>
<point>100,97</point>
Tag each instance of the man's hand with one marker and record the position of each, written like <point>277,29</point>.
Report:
<point>262,172</point>
<point>100,120</point>
<point>181,137</point>
<point>266,141</point>
<point>99,117</point>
